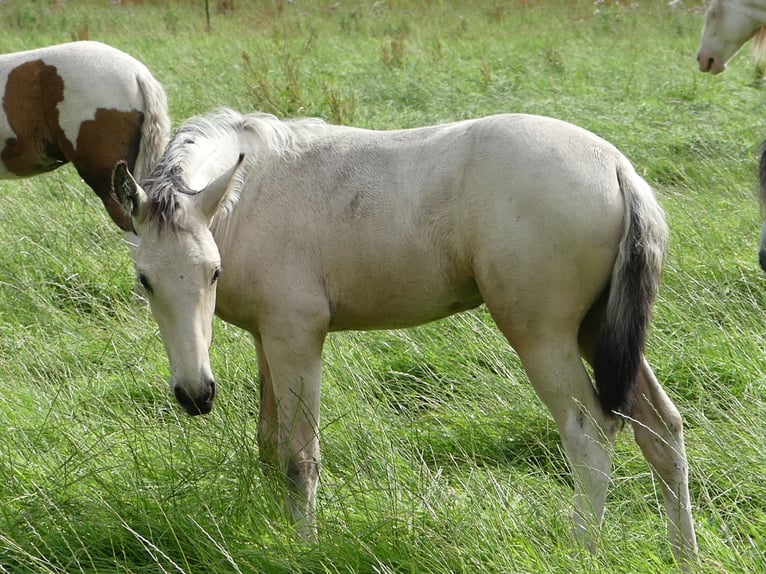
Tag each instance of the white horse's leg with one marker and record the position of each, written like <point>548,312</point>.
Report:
<point>295,364</point>
<point>658,429</point>
<point>559,377</point>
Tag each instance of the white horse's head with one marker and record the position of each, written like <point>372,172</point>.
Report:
<point>728,25</point>
<point>178,264</point>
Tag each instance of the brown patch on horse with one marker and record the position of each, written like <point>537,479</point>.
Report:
<point>32,94</point>
<point>112,136</point>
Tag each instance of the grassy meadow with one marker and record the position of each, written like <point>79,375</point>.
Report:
<point>437,455</point>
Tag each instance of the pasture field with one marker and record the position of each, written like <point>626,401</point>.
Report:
<point>438,457</point>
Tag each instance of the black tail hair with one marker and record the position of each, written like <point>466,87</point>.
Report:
<point>633,288</point>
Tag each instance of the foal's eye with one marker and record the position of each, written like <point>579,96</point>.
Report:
<point>216,274</point>
<point>145,283</point>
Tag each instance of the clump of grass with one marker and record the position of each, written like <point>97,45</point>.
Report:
<point>485,72</point>
<point>392,52</point>
<point>81,33</point>
<point>279,91</point>
<point>341,108</point>
<point>553,58</point>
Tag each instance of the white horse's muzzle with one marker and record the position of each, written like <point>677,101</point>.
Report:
<point>710,62</point>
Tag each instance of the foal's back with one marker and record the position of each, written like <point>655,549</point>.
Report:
<point>404,227</point>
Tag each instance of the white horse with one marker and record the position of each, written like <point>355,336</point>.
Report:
<point>325,228</point>
<point>728,25</point>
<point>85,103</point>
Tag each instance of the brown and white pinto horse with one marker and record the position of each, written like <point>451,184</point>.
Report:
<point>85,103</point>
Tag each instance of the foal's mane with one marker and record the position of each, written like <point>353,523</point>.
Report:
<point>257,135</point>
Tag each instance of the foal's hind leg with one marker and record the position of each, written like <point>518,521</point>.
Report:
<point>554,367</point>
<point>658,429</point>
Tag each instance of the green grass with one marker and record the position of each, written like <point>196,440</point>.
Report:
<point>437,455</point>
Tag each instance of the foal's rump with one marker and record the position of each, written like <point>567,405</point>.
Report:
<point>569,225</point>
<point>544,198</point>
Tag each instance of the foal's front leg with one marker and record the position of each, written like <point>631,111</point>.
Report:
<point>294,359</point>
<point>267,418</point>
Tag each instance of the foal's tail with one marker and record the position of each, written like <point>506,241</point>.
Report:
<point>155,131</point>
<point>633,288</point>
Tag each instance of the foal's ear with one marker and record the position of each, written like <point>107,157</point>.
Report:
<point>128,192</point>
<point>210,199</point>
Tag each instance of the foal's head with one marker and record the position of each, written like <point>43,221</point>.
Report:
<point>178,265</point>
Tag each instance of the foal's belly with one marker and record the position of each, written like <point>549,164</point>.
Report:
<point>399,303</point>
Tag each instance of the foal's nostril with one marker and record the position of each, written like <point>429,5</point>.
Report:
<point>194,407</point>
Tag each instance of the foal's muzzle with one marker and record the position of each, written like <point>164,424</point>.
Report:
<point>196,405</point>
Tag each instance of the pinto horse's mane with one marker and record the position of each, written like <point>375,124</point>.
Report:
<point>206,146</point>
<point>759,45</point>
